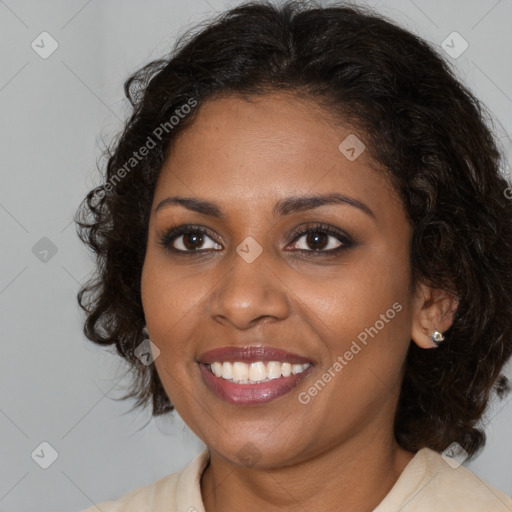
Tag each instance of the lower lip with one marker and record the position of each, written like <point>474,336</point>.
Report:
<point>251,394</point>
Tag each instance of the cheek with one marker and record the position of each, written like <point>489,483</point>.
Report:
<point>365,332</point>
<point>171,303</point>
<point>354,296</point>
<point>362,315</point>
<point>171,306</point>
<point>367,323</point>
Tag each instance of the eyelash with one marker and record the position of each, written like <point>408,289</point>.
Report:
<point>167,239</point>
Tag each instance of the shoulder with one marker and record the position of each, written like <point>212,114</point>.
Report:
<point>168,493</point>
<point>459,485</point>
<point>430,482</point>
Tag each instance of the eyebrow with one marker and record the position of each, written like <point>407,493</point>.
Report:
<point>283,207</point>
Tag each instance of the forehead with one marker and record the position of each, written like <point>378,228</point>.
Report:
<point>249,151</point>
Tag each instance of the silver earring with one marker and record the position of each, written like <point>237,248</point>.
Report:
<point>437,337</point>
<point>145,332</point>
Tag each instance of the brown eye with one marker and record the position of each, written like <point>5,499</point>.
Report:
<point>320,239</point>
<point>193,240</point>
<point>317,240</point>
<point>188,239</point>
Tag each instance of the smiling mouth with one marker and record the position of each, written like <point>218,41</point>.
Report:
<point>249,392</point>
<point>250,375</point>
<point>239,372</point>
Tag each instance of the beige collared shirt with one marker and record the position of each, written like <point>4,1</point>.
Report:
<point>427,484</point>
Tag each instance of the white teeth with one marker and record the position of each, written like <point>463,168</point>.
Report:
<point>216,369</point>
<point>240,371</point>
<point>286,369</point>
<point>273,370</point>
<point>258,371</point>
<point>296,368</point>
<point>227,370</point>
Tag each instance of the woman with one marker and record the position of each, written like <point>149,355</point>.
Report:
<point>304,247</point>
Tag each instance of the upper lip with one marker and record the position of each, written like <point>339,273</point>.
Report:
<point>250,354</point>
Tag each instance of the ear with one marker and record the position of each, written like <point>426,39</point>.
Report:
<point>433,309</point>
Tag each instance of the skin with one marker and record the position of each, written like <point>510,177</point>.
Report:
<point>338,449</point>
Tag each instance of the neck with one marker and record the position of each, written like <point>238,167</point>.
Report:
<point>356,476</point>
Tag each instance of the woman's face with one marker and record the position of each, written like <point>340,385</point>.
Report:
<point>252,281</point>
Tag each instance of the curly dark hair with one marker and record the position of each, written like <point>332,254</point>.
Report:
<point>429,132</point>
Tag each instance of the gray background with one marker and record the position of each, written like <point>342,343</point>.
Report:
<point>55,385</point>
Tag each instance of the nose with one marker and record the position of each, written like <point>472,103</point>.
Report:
<point>249,294</point>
